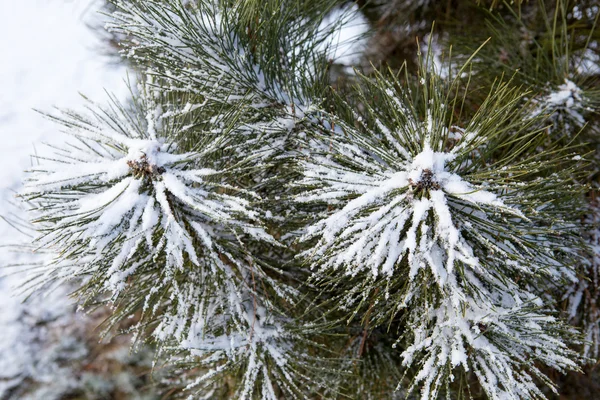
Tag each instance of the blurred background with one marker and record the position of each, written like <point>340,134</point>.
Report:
<point>52,53</point>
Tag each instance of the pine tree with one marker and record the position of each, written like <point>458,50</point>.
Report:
<point>406,232</point>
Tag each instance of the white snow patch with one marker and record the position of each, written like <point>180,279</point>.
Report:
<point>568,101</point>
<point>568,95</point>
<point>349,40</point>
<point>367,233</point>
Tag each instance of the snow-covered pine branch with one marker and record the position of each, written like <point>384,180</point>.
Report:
<point>155,205</point>
<point>266,352</point>
<point>156,224</point>
<point>502,344</point>
<point>208,47</point>
<point>439,223</point>
<point>436,218</point>
<point>582,297</point>
<point>566,104</point>
<point>562,85</point>
<point>272,68</point>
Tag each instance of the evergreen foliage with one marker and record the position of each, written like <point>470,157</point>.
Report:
<point>407,232</point>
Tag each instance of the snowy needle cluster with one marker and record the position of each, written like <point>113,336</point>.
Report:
<point>442,229</point>
<point>406,233</point>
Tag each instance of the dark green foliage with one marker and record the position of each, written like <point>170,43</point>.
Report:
<point>261,260</point>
